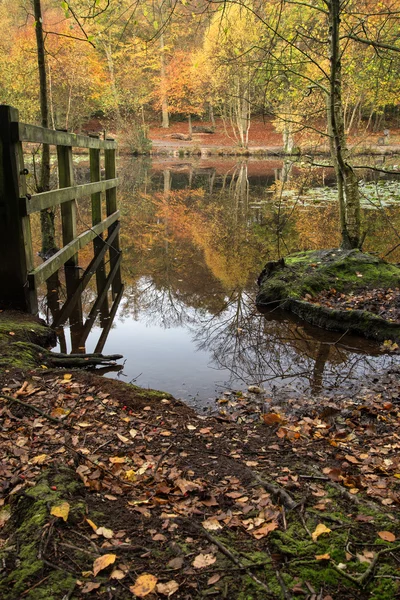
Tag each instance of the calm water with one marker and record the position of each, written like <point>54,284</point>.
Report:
<point>194,236</point>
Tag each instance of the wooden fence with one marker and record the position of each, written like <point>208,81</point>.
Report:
<point>19,279</point>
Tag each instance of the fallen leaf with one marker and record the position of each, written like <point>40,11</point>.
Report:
<point>144,585</point>
<point>175,563</point>
<point>322,556</point>
<point>117,574</point>
<point>167,589</point>
<point>319,530</point>
<point>351,459</point>
<point>92,525</point>
<point>388,536</point>
<point>107,533</point>
<point>117,460</point>
<point>90,586</point>
<point>130,475</point>
<point>211,524</point>
<point>272,418</point>
<point>123,439</point>
<point>67,377</point>
<point>102,562</point>
<point>38,460</point>
<point>61,510</point>
<point>204,560</point>
<point>133,432</point>
<point>213,579</point>
<point>5,514</point>
<point>265,530</point>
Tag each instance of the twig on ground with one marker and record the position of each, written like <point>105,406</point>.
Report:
<point>362,579</point>
<point>200,530</point>
<point>35,409</point>
<point>276,491</point>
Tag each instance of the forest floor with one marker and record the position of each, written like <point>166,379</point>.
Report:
<point>263,138</point>
<point>113,491</point>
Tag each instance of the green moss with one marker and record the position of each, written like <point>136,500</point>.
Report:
<point>346,271</point>
<point>30,513</point>
<point>17,334</point>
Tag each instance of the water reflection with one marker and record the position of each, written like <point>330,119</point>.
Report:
<point>194,236</point>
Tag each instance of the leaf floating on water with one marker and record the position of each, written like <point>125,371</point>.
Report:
<point>144,585</point>
<point>61,510</point>
<point>103,562</point>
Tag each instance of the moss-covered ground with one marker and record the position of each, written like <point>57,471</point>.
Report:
<point>277,508</point>
<point>304,275</point>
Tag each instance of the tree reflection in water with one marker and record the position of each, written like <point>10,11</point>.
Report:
<point>195,235</point>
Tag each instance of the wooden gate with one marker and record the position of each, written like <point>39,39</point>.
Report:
<point>19,279</point>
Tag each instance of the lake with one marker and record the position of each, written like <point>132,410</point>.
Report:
<point>195,233</point>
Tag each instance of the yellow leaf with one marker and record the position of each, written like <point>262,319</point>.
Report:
<point>322,556</point>
<point>130,475</point>
<point>39,459</point>
<point>102,562</point>
<point>144,585</point>
<point>117,460</point>
<point>61,510</point>
<point>67,376</point>
<point>319,530</point>
<point>92,525</point>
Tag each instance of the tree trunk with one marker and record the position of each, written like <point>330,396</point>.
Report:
<point>349,197</point>
<point>110,64</point>
<point>46,216</point>
<point>164,98</point>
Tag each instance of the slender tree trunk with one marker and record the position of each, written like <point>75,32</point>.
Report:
<point>349,197</point>
<point>46,216</point>
<point>164,98</point>
<point>110,64</point>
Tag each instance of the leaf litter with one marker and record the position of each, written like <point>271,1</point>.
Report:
<point>187,514</point>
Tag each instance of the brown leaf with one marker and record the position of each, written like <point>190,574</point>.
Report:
<point>388,536</point>
<point>204,560</point>
<point>167,589</point>
<point>102,562</point>
<point>187,486</point>
<point>213,579</point>
<point>211,524</point>
<point>272,418</point>
<point>322,556</point>
<point>175,563</point>
<point>144,585</point>
<point>265,530</point>
<point>90,586</point>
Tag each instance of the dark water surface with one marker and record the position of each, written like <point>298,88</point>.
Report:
<point>195,235</point>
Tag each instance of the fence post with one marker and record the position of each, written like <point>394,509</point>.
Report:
<point>98,243</point>
<point>15,233</point>
<point>69,233</point>
<point>111,206</point>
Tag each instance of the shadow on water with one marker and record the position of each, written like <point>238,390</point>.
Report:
<point>194,236</point>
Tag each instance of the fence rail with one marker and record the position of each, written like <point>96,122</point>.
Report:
<point>19,279</point>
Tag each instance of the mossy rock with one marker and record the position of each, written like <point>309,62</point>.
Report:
<point>17,332</point>
<point>30,515</point>
<point>309,273</point>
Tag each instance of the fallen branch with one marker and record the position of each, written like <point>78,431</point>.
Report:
<point>363,579</point>
<point>200,530</point>
<point>35,409</point>
<point>277,492</point>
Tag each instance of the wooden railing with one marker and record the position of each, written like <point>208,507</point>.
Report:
<point>19,279</point>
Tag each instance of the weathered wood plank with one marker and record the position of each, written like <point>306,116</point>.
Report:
<point>99,301</point>
<point>66,310</point>
<point>54,197</point>
<point>32,133</point>
<point>106,330</point>
<point>111,206</point>
<point>40,274</point>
